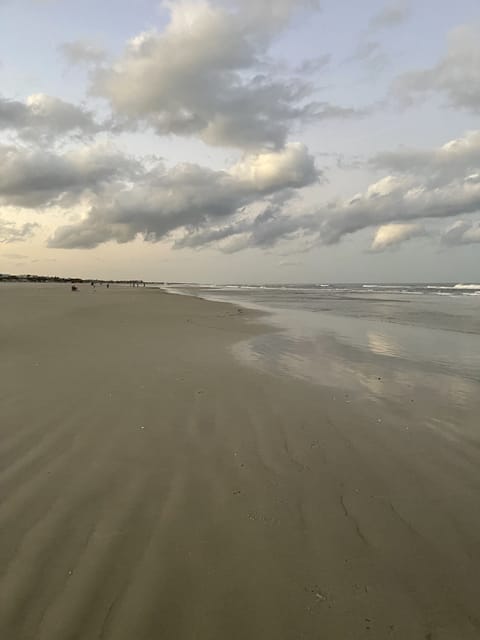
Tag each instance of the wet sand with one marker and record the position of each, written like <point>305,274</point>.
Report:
<point>153,487</point>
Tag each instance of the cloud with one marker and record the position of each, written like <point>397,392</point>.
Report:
<point>313,65</point>
<point>440,184</point>
<point>371,54</point>
<point>82,52</point>
<point>457,158</point>
<point>407,200</point>
<point>391,235</point>
<point>327,111</point>
<point>206,75</point>
<point>38,178</point>
<point>437,183</point>
<point>461,233</point>
<point>456,76</point>
<point>264,230</point>
<point>10,232</point>
<point>392,15</point>
<point>255,203</point>
<point>45,117</point>
<point>190,198</point>
<point>293,167</point>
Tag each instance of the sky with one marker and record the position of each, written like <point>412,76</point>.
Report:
<point>241,140</point>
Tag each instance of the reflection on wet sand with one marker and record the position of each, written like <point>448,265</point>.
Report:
<point>378,343</point>
<point>366,357</point>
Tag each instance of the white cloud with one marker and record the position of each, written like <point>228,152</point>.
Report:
<point>391,235</point>
<point>206,75</point>
<point>291,167</point>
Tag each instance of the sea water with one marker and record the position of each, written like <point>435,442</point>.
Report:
<point>358,336</point>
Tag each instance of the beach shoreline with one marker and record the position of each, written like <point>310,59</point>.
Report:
<point>154,486</point>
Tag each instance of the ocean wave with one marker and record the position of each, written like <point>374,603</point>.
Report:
<point>467,286</point>
<point>454,287</point>
<point>383,286</point>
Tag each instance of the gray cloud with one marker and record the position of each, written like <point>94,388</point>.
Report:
<point>11,232</point>
<point>205,207</point>
<point>313,65</point>
<point>395,203</point>
<point>82,52</point>
<point>391,15</point>
<point>443,182</point>
<point>457,158</point>
<point>263,231</point>
<point>202,76</point>
<point>327,111</point>
<point>189,197</point>
<point>370,54</point>
<point>45,117</point>
<point>397,200</point>
<point>38,178</point>
<point>456,76</point>
<point>461,233</point>
<point>369,51</point>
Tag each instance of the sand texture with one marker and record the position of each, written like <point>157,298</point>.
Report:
<point>153,488</point>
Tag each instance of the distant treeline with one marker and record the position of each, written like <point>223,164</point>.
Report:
<point>5,277</point>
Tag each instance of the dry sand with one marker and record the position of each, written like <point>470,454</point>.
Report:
<point>153,488</point>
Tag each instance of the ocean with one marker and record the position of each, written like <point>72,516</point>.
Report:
<point>359,337</point>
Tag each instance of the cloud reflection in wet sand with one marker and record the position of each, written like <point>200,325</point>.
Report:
<point>374,363</point>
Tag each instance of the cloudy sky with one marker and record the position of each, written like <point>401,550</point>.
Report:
<point>241,140</point>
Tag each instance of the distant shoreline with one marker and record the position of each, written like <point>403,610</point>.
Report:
<point>64,280</point>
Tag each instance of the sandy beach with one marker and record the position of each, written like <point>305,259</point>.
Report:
<point>152,486</point>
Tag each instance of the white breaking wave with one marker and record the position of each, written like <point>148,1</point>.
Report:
<point>467,286</point>
<point>453,287</point>
<point>383,286</point>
